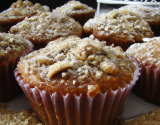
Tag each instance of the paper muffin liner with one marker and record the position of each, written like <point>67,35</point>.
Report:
<point>9,87</point>
<point>57,109</point>
<point>147,86</point>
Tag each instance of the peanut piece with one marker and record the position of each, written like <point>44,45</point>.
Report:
<point>93,90</point>
<point>57,67</point>
<point>109,67</point>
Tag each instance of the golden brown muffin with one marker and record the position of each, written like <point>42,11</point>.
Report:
<point>12,117</point>
<point>46,27</point>
<point>115,27</point>
<point>151,118</point>
<point>77,10</point>
<point>11,49</point>
<point>18,11</point>
<point>148,56</point>
<point>148,13</point>
<point>77,81</point>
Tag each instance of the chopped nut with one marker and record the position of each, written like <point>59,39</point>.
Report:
<point>109,67</point>
<point>93,90</point>
<point>81,54</point>
<point>57,67</point>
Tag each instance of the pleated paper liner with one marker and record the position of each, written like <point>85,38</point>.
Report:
<point>148,84</point>
<point>9,87</point>
<point>57,109</point>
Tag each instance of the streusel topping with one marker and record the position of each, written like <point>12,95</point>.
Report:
<point>46,27</point>
<point>150,14</point>
<point>78,65</point>
<point>115,25</point>
<point>147,53</point>
<point>20,10</point>
<point>74,7</point>
<point>12,117</point>
<point>12,46</point>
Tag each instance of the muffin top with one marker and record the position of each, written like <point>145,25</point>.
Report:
<point>147,53</point>
<point>12,117</point>
<point>12,46</point>
<point>19,10</point>
<point>46,27</point>
<point>75,65</point>
<point>115,25</point>
<point>74,7</point>
<point>148,13</point>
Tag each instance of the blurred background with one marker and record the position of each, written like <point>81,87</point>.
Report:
<point>51,3</point>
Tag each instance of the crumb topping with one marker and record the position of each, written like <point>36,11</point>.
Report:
<point>12,46</point>
<point>26,8</point>
<point>78,65</point>
<point>115,24</point>
<point>46,27</point>
<point>74,7</point>
<point>150,14</point>
<point>11,117</point>
<point>147,53</point>
<point>19,10</point>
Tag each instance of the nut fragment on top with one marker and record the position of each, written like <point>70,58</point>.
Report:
<point>47,27</point>
<point>21,9</point>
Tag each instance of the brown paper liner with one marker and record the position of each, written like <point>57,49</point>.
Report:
<point>147,86</point>
<point>57,109</point>
<point>9,87</point>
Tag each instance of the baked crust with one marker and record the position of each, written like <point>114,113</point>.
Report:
<point>148,54</point>
<point>46,27</point>
<point>148,13</point>
<point>12,46</point>
<point>19,10</point>
<point>78,66</point>
<point>79,11</point>
<point>117,27</point>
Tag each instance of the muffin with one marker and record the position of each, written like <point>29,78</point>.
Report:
<point>148,13</point>
<point>120,29</point>
<point>18,11</point>
<point>148,56</point>
<point>76,10</point>
<point>77,81</point>
<point>43,28</point>
<point>151,118</point>
<point>11,49</point>
<point>12,117</point>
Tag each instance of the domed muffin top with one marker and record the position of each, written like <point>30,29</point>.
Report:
<point>47,27</point>
<point>12,46</point>
<point>148,13</point>
<point>21,9</point>
<point>146,53</point>
<point>77,66</point>
<point>74,7</point>
<point>115,25</point>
